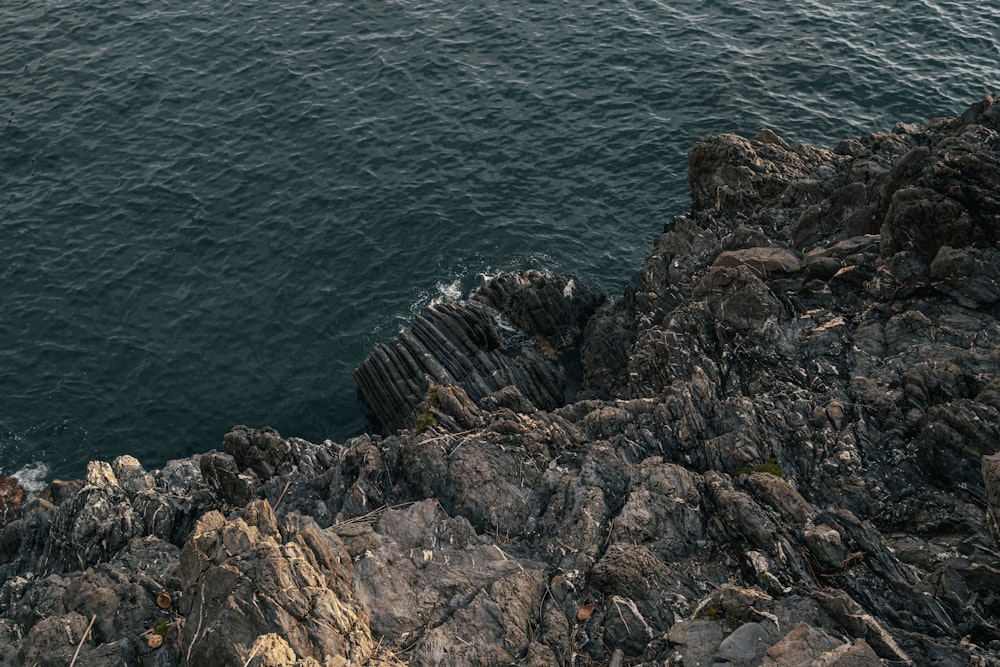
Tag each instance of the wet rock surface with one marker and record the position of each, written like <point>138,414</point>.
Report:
<point>780,447</point>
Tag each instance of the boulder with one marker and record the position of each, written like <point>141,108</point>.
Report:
<point>762,261</point>
<point>806,645</point>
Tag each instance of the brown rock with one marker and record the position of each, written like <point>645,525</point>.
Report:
<point>11,499</point>
<point>762,261</point>
<point>241,579</point>
<point>806,645</point>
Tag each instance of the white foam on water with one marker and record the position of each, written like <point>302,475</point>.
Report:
<point>488,274</point>
<point>448,292</point>
<point>504,324</point>
<point>33,477</point>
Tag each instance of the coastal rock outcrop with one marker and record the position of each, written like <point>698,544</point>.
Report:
<point>511,334</point>
<point>781,446</point>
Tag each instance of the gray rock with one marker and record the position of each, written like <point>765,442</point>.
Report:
<point>9,643</point>
<point>747,642</point>
<point>554,308</point>
<point>245,577</point>
<point>762,261</point>
<point>970,275</point>
<point>728,171</point>
<point>493,628</point>
<point>825,544</point>
<point>737,298</point>
<point>261,450</point>
<point>224,476</point>
<point>453,344</point>
<point>625,627</point>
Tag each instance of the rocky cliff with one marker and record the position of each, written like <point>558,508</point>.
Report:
<point>779,448</point>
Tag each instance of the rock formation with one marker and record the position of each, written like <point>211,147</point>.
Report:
<point>781,447</point>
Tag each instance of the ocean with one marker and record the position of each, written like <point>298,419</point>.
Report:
<point>210,212</point>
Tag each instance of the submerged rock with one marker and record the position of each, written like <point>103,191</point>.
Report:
<point>780,447</point>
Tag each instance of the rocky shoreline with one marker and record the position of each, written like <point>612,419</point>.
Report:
<point>779,448</point>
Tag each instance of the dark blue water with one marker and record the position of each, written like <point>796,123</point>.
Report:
<point>211,211</point>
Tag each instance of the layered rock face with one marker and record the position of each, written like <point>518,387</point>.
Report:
<point>781,447</point>
<point>482,347</point>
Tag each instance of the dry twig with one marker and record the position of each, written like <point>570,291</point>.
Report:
<point>282,494</point>
<point>76,654</point>
<point>374,514</point>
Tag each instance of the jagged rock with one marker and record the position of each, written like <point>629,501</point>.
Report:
<point>551,307</point>
<point>777,493</point>
<point>699,639</point>
<point>247,577</point>
<point>417,567</point>
<point>271,650</point>
<point>261,450</point>
<point>452,344</point>
<point>783,451</point>
<point>806,645</point>
<point>55,639</point>
<point>485,477</point>
<point>663,509</point>
<point>651,584</point>
<point>493,628</point>
<point>119,595</point>
<point>93,525</point>
<point>826,545</point>
<point>738,298</point>
<point>9,641</point>
<point>225,477</point>
<point>475,347</point>
<point>970,275</point>
<point>625,627</point>
<point>604,351</point>
<point>762,261</point>
<point>515,340</point>
<point>728,171</point>
<point>945,193</point>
